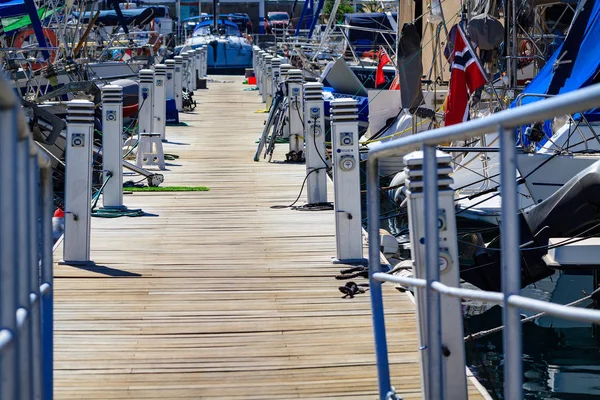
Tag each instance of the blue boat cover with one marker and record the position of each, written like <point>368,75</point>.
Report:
<point>364,40</point>
<point>219,22</point>
<point>574,65</point>
<point>362,103</point>
<point>12,8</point>
<point>137,16</point>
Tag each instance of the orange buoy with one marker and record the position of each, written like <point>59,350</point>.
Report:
<point>50,37</point>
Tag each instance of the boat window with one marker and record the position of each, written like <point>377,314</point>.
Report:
<point>223,29</point>
<point>202,31</point>
<point>279,17</point>
<point>232,30</point>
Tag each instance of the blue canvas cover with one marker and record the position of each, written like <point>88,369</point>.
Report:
<point>12,8</point>
<point>364,40</point>
<point>136,16</point>
<point>574,65</point>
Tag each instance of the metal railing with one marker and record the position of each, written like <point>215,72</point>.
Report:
<point>504,123</point>
<point>26,204</point>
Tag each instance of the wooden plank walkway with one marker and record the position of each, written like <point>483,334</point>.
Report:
<point>218,295</point>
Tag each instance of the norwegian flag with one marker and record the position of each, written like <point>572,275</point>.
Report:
<point>383,60</point>
<point>466,77</point>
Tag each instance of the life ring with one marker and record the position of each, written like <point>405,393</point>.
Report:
<point>372,54</point>
<point>155,40</point>
<point>527,49</point>
<point>50,37</point>
<point>151,47</point>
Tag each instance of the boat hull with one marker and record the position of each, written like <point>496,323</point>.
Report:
<point>225,53</point>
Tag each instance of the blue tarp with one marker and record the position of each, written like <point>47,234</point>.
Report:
<point>575,64</point>
<point>12,8</point>
<point>137,16</point>
<point>365,40</point>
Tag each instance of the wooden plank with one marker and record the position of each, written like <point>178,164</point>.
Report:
<point>219,295</point>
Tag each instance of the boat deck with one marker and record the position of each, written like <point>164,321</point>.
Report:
<point>218,295</point>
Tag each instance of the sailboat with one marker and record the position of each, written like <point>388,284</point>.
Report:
<point>228,49</point>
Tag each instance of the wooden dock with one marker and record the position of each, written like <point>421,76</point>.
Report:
<point>219,296</point>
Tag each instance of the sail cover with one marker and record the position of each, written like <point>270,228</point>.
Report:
<point>575,64</point>
<point>12,8</point>
<point>136,16</point>
<point>365,39</point>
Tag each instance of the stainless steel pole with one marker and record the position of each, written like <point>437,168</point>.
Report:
<point>434,323</point>
<point>511,265</point>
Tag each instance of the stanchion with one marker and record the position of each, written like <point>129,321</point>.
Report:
<point>346,182</point>
<point>160,101</point>
<point>112,146</point>
<point>295,111</point>
<point>314,134</point>
<point>178,83</point>
<point>78,182</point>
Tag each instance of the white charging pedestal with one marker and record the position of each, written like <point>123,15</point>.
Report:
<point>160,101</point>
<point>149,149</point>
<point>204,61</point>
<point>170,81</point>
<point>260,74</point>
<point>185,71</point>
<point>255,50</point>
<point>178,83</point>
<point>112,146</point>
<point>314,138</point>
<point>193,70</point>
<point>268,81</point>
<point>295,111</point>
<point>454,380</point>
<point>283,77</point>
<point>346,182</point>
<point>78,182</point>
<point>198,74</point>
<point>275,64</point>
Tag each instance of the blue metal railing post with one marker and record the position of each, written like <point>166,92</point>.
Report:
<point>511,265</point>
<point>47,287</point>
<point>9,360</point>
<point>33,216</point>
<point>307,6</point>
<point>381,352</point>
<point>316,17</point>
<point>432,265</point>
<point>23,260</point>
<point>37,26</point>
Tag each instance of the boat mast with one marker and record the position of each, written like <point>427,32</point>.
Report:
<point>180,37</point>
<point>510,41</point>
<point>216,16</point>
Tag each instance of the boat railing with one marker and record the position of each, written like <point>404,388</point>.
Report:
<point>26,287</point>
<point>505,123</point>
<point>575,124</point>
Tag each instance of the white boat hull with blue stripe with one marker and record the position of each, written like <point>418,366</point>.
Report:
<point>228,49</point>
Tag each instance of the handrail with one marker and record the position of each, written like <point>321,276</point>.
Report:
<point>559,310</point>
<point>26,321</point>
<point>504,122</point>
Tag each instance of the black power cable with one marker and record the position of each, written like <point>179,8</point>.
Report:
<point>325,206</point>
<point>313,206</point>
<point>301,190</point>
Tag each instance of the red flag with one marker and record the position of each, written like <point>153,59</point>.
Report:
<point>466,77</point>
<point>383,60</point>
